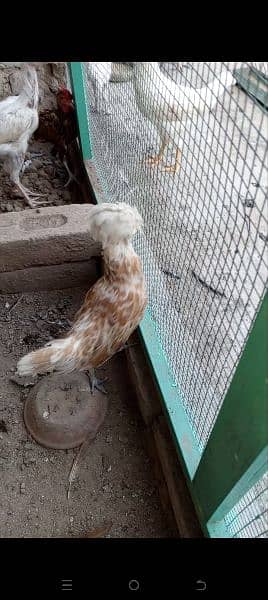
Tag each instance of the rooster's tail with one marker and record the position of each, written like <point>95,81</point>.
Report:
<point>58,355</point>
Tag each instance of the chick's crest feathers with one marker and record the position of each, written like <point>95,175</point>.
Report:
<point>114,223</point>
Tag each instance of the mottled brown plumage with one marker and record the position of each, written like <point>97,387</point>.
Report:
<point>113,307</point>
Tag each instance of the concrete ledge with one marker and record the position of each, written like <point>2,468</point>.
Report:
<point>46,236</point>
<point>50,277</point>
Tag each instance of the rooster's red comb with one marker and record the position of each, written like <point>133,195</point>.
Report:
<point>64,90</point>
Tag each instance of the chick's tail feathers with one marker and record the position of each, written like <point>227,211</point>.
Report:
<point>58,355</point>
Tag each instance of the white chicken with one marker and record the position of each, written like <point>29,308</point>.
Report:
<point>121,72</point>
<point>18,121</point>
<point>100,75</point>
<point>167,104</point>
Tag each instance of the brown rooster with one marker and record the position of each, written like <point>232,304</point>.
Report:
<point>113,307</point>
<point>59,127</point>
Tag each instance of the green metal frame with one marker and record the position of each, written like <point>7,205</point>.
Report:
<point>78,87</point>
<point>255,84</point>
<point>170,393</point>
<point>236,453</point>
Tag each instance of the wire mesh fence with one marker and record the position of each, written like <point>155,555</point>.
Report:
<point>188,146</point>
<point>249,517</point>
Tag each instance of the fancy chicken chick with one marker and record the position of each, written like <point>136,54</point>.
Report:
<point>113,307</point>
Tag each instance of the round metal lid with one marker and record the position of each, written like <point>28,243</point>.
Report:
<point>60,411</point>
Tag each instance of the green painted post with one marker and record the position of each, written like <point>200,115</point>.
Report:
<point>79,92</point>
<point>236,455</point>
<point>172,400</point>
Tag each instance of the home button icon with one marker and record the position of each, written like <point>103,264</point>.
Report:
<point>134,585</point>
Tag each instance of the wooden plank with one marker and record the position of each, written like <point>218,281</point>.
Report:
<point>174,491</point>
<point>148,397</point>
<point>236,454</point>
<point>185,515</point>
<point>161,484</point>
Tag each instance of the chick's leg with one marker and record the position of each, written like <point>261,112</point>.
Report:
<point>15,164</point>
<point>155,160</point>
<point>176,167</point>
<point>27,195</point>
<point>71,176</point>
<point>96,383</point>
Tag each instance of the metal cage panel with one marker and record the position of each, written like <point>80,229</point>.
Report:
<point>204,246</point>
